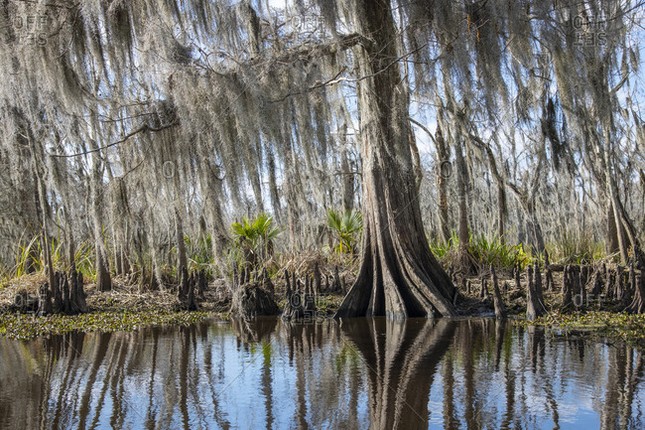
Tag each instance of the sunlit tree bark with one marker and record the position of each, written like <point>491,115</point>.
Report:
<point>399,276</point>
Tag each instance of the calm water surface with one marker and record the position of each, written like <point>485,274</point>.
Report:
<point>361,373</point>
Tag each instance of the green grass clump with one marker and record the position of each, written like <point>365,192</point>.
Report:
<point>199,253</point>
<point>576,249</point>
<point>441,249</point>
<point>498,253</point>
<point>30,258</point>
<point>486,252</point>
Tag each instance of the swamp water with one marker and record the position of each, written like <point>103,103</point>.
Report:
<point>363,373</point>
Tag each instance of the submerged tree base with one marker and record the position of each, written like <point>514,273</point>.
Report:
<point>251,300</point>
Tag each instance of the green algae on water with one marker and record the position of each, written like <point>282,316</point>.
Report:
<point>21,326</point>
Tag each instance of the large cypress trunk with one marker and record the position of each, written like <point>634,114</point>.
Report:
<point>399,277</point>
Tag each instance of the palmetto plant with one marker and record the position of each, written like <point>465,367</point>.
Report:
<point>255,236</point>
<point>346,227</point>
<point>485,251</point>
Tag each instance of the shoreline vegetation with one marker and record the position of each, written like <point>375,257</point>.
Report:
<point>576,299</point>
<point>385,159</point>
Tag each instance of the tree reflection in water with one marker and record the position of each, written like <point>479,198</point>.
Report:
<point>357,373</point>
<point>401,358</point>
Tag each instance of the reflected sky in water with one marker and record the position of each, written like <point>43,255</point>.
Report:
<point>361,373</point>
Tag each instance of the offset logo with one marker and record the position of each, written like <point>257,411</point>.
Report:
<point>31,29</point>
<point>307,23</point>
<point>589,31</point>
